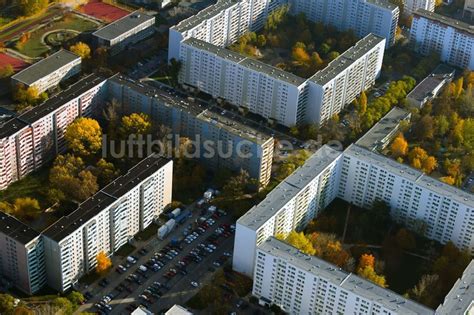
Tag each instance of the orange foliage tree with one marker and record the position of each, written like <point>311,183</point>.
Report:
<point>103,262</point>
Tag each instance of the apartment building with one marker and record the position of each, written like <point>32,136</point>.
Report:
<point>290,206</point>
<point>259,88</point>
<point>278,95</point>
<point>379,17</point>
<point>224,140</point>
<point>106,221</point>
<point>337,85</point>
<point>303,284</point>
<point>468,8</point>
<point>460,299</point>
<point>124,32</point>
<point>49,72</point>
<point>440,211</point>
<point>21,255</point>
<point>410,6</point>
<point>35,137</point>
<point>451,39</point>
<point>221,24</point>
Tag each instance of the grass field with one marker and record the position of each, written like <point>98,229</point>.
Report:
<point>34,46</point>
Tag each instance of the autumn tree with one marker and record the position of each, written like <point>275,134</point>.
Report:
<point>6,71</point>
<point>366,269</point>
<point>23,207</point>
<point>111,116</point>
<point>420,159</point>
<point>329,248</point>
<point>105,172</point>
<point>300,241</point>
<point>399,146</point>
<point>362,103</point>
<point>69,176</point>
<point>84,136</point>
<point>7,304</point>
<point>103,263</point>
<point>423,291</point>
<point>30,7</point>
<point>236,185</point>
<point>62,305</point>
<point>299,53</point>
<point>135,124</point>
<point>81,49</point>
<point>30,95</point>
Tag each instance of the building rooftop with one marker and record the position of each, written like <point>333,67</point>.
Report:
<point>460,299</point>
<point>178,310</point>
<point>383,4</point>
<point>123,25</point>
<point>203,15</point>
<point>16,230</point>
<point>45,67</point>
<point>224,119</point>
<point>15,124</point>
<point>289,188</point>
<point>383,130</point>
<point>249,63</point>
<point>105,197</point>
<point>342,279</point>
<point>345,60</point>
<point>411,174</point>
<point>462,26</point>
<point>425,88</point>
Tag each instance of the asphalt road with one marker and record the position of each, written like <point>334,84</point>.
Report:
<point>180,285</point>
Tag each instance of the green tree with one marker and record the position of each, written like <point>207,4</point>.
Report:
<point>261,41</point>
<point>63,305</point>
<point>84,136</point>
<point>236,185</point>
<point>76,298</point>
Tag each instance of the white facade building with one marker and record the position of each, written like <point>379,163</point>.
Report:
<point>49,72</point>
<point>21,255</point>
<point>35,137</point>
<point>106,221</point>
<point>379,17</point>
<point>451,39</point>
<point>345,78</point>
<point>278,95</point>
<point>444,212</point>
<point>410,6</point>
<point>290,206</point>
<point>303,284</point>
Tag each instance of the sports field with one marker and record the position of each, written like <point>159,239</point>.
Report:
<point>16,63</point>
<point>103,11</point>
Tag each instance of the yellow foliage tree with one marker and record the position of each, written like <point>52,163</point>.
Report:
<point>429,164</point>
<point>136,123</point>
<point>448,180</point>
<point>370,274</point>
<point>103,262</point>
<point>299,54</point>
<point>362,103</point>
<point>84,136</point>
<point>399,146</point>
<point>300,241</point>
<point>81,49</point>
<point>366,260</point>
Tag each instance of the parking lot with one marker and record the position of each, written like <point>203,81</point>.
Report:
<point>163,273</point>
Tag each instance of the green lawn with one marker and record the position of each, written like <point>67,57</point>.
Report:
<point>35,48</point>
<point>32,185</point>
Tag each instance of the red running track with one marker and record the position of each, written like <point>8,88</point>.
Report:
<point>103,11</point>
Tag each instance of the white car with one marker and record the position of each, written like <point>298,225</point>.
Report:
<point>194,284</point>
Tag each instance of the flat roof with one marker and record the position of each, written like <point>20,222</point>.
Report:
<point>15,124</point>
<point>425,88</point>
<point>178,310</point>
<point>212,114</point>
<point>289,188</point>
<point>105,197</point>
<point>45,67</point>
<point>457,24</point>
<point>383,128</point>
<point>203,15</point>
<point>123,25</point>
<point>411,174</point>
<point>343,279</point>
<point>460,298</point>
<point>247,62</point>
<point>383,4</point>
<point>16,229</point>
<point>345,60</point>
